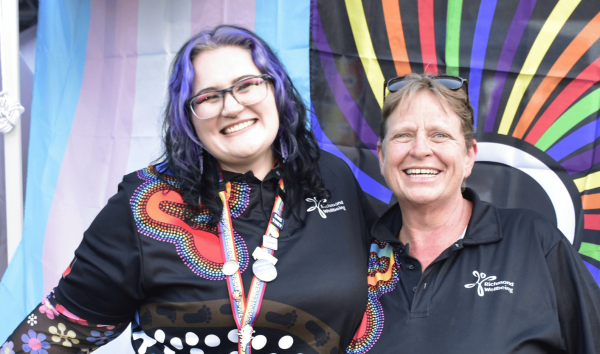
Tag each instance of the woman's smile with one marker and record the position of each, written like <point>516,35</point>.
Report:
<point>234,128</point>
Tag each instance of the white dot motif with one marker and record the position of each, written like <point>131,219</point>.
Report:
<point>286,342</point>
<point>212,341</point>
<point>191,338</point>
<point>259,342</point>
<point>159,335</point>
<point>176,342</point>
<point>233,336</point>
<point>196,351</point>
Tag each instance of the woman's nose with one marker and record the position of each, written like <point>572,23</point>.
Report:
<point>231,107</point>
<point>421,147</point>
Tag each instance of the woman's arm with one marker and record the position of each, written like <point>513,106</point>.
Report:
<point>577,297</point>
<point>51,328</point>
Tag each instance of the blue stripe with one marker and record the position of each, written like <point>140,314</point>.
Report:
<point>578,139</point>
<point>368,184</point>
<point>60,58</point>
<point>285,25</point>
<point>480,40</point>
<point>594,270</point>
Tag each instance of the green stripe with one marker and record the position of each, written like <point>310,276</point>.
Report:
<point>578,112</point>
<point>453,36</point>
<point>591,250</point>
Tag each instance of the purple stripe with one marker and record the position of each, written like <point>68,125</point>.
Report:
<point>480,40</point>
<point>583,161</point>
<point>367,183</point>
<point>338,88</point>
<point>578,139</point>
<point>594,270</point>
<point>513,38</point>
<point>98,147</point>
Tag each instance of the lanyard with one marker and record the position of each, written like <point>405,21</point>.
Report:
<point>245,310</point>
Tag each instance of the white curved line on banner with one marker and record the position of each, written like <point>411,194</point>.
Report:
<point>544,176</point>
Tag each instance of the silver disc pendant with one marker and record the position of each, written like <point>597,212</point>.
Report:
<point>230,267</point>
<point>264,270</point>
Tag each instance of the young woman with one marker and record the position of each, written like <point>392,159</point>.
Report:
<point>244,237</point>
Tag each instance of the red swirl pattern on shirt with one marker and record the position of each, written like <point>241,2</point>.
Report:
<point>161,213</point>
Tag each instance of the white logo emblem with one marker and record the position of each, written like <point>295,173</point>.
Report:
<point>325,209</point>
<point>485,284</point>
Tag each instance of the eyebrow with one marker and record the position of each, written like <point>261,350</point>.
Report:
<point>234,81</point>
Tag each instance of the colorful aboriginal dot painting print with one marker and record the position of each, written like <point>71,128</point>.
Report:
<point>160,213</point>
<point>383,277</point>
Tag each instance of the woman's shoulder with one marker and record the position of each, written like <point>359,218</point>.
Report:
<point>150,175</point>
<point>521,223</point>
<point>332,165</point>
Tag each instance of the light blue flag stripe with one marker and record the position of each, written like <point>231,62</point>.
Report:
<point>60,57</point>
<point>285,26</point>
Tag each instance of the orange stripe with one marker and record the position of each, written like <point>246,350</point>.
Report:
<point>582,42</point>
<point>590,201</point>
<point>393,25</point>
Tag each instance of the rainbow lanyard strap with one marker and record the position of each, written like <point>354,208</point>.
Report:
<point>245,310</point>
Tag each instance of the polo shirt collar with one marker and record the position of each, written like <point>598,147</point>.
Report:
<point>484,225</point>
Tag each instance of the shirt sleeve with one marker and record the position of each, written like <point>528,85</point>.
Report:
<point>52,329</point>
<point>104,283</point>
<point>578,299</point>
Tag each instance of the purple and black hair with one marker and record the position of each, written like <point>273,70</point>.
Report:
<point>185,155</point>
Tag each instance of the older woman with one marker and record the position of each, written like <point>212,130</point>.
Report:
<point>232,242</point>
<point>449,273</point>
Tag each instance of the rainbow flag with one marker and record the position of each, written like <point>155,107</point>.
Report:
<point>533,70</point>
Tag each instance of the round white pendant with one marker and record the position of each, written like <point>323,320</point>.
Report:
<point>264,270</point>
<point>230,267</point>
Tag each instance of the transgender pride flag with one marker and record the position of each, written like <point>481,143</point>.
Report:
<point>99,92</point>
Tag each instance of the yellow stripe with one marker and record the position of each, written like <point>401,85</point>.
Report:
<point>548,33</point>
<point>366,52</point>
<point>588,182</point>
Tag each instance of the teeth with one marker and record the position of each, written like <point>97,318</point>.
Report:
<point>421,172</point>
<point>238,127</point>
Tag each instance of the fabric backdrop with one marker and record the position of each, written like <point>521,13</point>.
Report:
<point>101,72</point>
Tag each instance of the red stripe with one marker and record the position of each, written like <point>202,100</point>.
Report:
<point>591,222</point>
<point>564,100</point>
<point>427,32</point>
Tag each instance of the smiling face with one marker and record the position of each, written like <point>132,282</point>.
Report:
<point>423,156</point>
<point>240,138</point>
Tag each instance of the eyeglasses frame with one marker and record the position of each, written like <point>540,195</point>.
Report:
<point>463,83</point>
<point>229,89</point>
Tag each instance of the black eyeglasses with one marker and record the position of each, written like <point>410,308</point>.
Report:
<point>249,91</point>
<point>450,82</point>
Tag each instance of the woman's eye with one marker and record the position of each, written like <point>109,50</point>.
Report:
<point>245,85</point>
<point>209,97</point>
<point>402,136</point>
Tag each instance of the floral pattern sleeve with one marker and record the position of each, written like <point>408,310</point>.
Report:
<point>50,328</point>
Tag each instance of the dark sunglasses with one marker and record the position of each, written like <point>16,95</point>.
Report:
<point>450,82</point>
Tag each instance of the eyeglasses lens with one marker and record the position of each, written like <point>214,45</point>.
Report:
<point>452,84</point>
<point>246,92</point>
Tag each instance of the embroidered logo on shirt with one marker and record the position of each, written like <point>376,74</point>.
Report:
<point>327,208</point>
<point>487,284</point>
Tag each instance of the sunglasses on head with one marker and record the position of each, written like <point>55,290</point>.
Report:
<point>448,81</point>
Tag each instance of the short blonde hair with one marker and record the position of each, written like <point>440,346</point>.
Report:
<point>458,100</point>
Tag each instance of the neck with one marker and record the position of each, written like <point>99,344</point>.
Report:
<point>430,229</point>
<point>259,167</point>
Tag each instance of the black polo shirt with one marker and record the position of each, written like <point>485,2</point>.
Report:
<point>514,284</point>
<point>149,260</point>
